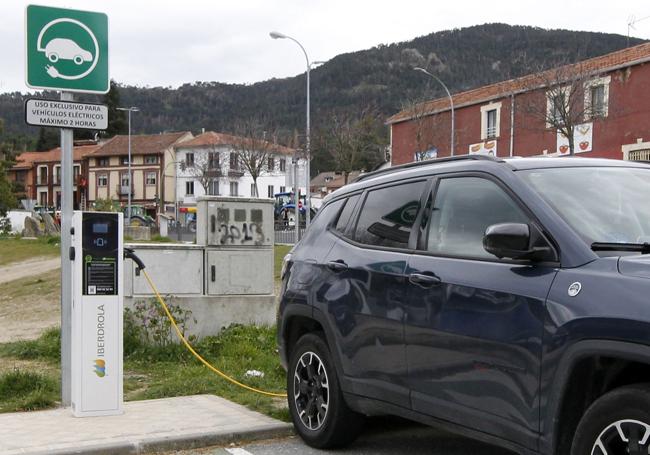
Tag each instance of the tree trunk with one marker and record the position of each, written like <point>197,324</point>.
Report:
<point>571,145</point>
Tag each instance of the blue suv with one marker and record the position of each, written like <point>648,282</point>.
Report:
<point>506,300</point>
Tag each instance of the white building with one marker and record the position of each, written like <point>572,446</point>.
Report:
<point>209,164</point>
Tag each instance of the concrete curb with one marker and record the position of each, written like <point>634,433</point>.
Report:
<point>170,443</point>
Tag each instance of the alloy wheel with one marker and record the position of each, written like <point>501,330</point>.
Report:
<point>623,437</point>
<point>311,390</point>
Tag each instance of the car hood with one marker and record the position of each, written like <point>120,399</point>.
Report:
<point>636,266</point>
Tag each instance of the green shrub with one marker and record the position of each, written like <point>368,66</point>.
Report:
<point>47,346</point>
<point>160,238</point>
<point>26,391</point>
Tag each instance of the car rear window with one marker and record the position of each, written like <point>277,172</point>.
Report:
<point>388,215</point>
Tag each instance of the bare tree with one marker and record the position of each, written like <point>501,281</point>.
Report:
<point>568,99</point>
<point>355,142</point>
<point>424,131</point>
<point>253,149</point>
<point>205,168</point>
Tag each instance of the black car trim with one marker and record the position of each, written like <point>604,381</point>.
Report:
<point>573,354</point>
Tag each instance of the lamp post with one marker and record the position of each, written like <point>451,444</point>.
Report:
<point>129,110</point>
<point>451,103</point>
<point>278,35</point>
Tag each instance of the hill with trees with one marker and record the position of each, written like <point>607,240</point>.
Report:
<point>380,79</point>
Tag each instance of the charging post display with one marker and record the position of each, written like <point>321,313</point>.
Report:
<point>97,369</point>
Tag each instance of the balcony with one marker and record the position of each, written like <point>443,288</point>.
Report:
<point>213,173</point>
<point>235,172</point>
<point>123,190</point>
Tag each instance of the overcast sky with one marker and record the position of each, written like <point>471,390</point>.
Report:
<point>169,43</point>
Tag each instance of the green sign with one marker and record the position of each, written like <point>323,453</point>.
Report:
<point>67,50</point>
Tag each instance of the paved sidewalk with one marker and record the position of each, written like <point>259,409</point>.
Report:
<point>145,426</point>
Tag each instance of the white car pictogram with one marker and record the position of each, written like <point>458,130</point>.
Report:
<point>66,49</point>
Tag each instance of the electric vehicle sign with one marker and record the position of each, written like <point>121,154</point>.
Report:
<point>66,114</point>
<point>66,50</point>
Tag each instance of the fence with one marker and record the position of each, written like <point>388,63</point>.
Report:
<point>286,234</point>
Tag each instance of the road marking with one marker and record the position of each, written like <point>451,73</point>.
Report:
<point>238,451</point>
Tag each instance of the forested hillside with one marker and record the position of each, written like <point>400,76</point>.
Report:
<point>381,78</point>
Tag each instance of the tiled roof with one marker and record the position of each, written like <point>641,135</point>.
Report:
<point>27,159</point>
<point>337,179</point>
<point>211,138</point>
<point>608,62</point>
<point>141,144</point>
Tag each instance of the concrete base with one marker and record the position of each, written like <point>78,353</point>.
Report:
<point>212,314</point>
<point>137,232</point>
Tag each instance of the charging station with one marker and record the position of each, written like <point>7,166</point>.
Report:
<point>97,368</point>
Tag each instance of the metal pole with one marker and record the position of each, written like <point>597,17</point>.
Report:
<point>296,198</point>
<point>308,157</point>
<point>130,183</point>
<point>67,194</point>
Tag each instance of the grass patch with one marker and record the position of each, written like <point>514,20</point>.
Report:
<point>279,251</point>
<point>156,372</point>
<point>45,285</point>
<point>15,249</point>
<point>27,391</point>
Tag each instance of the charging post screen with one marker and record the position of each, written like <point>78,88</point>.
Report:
<point>100,251</point>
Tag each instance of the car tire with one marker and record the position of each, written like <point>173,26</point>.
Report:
<point>78,59</point>
<point>53,57</point>
<point>621,414</point>
<point>319,412</point>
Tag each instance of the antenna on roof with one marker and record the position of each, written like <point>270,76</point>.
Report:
<point>630,25</point>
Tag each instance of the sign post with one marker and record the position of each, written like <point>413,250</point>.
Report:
<point>66,50</point>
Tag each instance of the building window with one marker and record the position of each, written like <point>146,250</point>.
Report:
<point>557,104</point>
<point>42,175</point>
<point>490,120</point>
<point>270,164</point>
<point>125,160</point>
<point>597,97</point>
<point>102,180</point>
<point>57,175</point>
<point>101,162</point>
<point>189,160</point>
<point>124,179</point>
<point>151,159</point>
<point>76,170</point>
<point>213,160</point>
<point>270,191</point>
<point>151,178</point>
<point>283,189</point>
<point>234,188</point>
<point>213,187</point>
<point>639,155</point>
<point>189,188</point>
<point>234,161</point>
<point>283,165</point>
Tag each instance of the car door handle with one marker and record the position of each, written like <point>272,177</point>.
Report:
<point>423,280</point>
<point>337,266</point>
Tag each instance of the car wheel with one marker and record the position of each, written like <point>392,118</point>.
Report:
<point>78,59</point>
<point>318,410</point>
<point>618,422</point>
<point>53,57</point>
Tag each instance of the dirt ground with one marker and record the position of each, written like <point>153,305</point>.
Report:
<point>29,298</point>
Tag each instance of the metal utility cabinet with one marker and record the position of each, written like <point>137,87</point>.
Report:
<point>238,237</point>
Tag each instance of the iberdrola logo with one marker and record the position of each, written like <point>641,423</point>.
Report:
<point>100,368</point>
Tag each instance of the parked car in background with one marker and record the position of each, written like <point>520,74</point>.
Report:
<point>506,300</point>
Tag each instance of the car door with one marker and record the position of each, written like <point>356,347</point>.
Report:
<point>474,323</point>
<point>366,292</point>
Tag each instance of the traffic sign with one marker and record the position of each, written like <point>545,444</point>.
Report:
<point>66,50</point>
<point>66,114</point>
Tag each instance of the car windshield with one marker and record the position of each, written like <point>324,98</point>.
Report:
<point>603,204</point>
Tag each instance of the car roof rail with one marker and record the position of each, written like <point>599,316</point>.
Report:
<point>400,167</point>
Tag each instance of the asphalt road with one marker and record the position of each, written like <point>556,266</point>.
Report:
<point>385,436</point>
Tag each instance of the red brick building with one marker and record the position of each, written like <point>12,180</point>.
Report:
<point>500,119</point>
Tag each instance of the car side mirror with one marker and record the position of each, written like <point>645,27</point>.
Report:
<point>513,241</point>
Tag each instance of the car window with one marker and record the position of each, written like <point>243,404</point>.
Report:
<point>346,213</point>
<point>324,218</point>
<point>463,209</point>
<point>388,215</point>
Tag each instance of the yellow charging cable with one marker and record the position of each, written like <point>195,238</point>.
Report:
<point>197,355</point>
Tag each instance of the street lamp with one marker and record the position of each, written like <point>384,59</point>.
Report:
<point>129,110</point>
<point>278,35</point>
<point>451,103</point>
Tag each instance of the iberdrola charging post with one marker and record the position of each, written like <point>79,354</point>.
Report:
<point>97,305</point>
